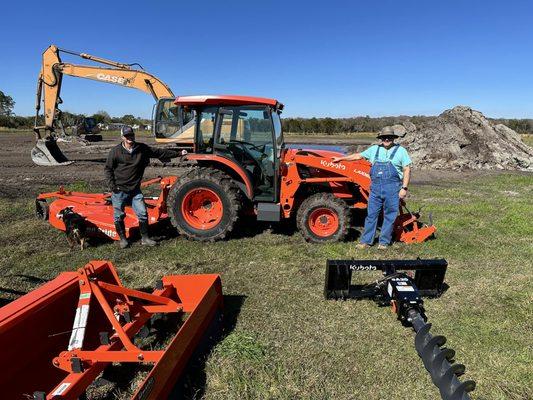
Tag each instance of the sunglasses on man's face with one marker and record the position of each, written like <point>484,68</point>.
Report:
<point>387,138</point>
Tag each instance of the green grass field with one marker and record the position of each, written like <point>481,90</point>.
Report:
<point>287,342</point>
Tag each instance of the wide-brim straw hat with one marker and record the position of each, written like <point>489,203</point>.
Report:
<point>387,131</point>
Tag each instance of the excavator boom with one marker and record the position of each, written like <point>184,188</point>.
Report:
<point>46,152</point>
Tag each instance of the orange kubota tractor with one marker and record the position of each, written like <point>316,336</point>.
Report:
<point>243,167</point>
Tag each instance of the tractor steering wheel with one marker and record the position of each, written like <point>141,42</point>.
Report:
<point>243,142</point>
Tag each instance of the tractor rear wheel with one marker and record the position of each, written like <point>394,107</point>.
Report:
<point>323,217</point>
<point>204,204</point>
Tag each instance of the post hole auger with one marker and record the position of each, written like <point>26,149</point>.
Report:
<point>64,336</point>
<point>46,151</point>
<point>403,292</point>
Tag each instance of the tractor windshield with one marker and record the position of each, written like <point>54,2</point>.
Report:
<point>278,133</point>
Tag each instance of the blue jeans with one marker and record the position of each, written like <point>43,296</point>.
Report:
<point>381,196</point>
<point>135,198</point>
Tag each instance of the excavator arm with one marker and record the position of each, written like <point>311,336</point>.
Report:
<point>46,152</point>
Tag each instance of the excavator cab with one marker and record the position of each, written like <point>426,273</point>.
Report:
<point>174,123</point>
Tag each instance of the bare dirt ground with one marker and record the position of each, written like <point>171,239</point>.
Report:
<point>19,177</point>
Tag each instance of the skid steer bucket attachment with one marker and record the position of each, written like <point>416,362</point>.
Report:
<point>47,153</point>
<point>404,293</point>
<point>66,334</point>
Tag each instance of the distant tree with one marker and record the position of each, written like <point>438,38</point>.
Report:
<point>6,104</point>
<point>102,117</point>
<point>129,119</point>
<point>70,119</point>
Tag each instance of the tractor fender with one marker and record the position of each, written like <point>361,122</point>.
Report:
<point>231,167</point>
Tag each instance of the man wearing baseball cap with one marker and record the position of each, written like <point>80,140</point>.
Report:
<point>390,174</point>
<point>124,170</point>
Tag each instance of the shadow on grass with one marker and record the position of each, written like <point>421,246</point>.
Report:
<point>13,294</point>
<point>193,381</point>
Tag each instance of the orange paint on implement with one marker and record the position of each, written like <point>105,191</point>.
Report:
<point>97,210</point>
<point>33,345</point>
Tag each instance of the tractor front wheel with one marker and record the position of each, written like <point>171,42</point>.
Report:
<point>323,218</point>
<point>204,204</point>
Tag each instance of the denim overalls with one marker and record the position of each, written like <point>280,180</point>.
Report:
<point>384,189</point>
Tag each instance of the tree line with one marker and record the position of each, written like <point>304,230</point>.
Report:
<point>294,125</point>
<point>329,126</point>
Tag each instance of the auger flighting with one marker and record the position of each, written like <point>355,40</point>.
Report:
<point>404,294</point>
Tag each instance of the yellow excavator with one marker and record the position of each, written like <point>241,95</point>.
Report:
<point>175,124</point>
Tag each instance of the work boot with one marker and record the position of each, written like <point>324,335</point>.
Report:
<point>145,238</point>
<point>362,246</point>
<point>121,231</point>
<point>383,246</point>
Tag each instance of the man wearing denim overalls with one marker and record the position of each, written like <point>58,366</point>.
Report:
<point>390,174</point>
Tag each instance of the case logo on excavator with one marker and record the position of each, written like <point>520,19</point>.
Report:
<point>330,164</point>
<point>113,79</point>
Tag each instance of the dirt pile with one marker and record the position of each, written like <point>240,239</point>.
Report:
<point>462,138</point>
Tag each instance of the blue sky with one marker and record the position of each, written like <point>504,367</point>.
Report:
<point>331,58</point>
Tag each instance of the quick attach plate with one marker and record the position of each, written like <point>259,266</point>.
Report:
<point>429,276</point>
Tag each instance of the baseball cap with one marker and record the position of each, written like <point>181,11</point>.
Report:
<point>126,130</point>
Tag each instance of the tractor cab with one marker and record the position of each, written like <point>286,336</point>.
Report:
<point>242,130</point>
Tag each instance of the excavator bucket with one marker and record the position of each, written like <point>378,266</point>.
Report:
<point>47,153</point>
<point>67,338</point>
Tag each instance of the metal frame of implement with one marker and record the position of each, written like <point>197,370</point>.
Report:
<point>102,317</point>
<point>403,292</point>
